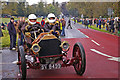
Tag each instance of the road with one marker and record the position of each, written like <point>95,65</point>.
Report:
<point>102,57</point>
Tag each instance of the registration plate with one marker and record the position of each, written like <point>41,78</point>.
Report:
<point>50,66</point>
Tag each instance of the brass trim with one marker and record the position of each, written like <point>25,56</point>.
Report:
<point>49,36</point>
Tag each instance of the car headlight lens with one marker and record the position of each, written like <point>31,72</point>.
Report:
<point>65,45</point>
<point>35,48</point>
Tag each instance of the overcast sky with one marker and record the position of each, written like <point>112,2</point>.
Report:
<point>48,1</point>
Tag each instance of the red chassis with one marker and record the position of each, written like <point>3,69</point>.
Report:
<point>66,63</point>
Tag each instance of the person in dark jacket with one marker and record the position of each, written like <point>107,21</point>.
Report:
<point>69,24</point>
<point>112,25</point>
<point>1,34</point>
<point>12,33</point>
<point>90,22</point>
<point>103,23</point>
<point>86,23</point>
<point>3,26</point>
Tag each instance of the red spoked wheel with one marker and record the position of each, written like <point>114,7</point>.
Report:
<point>21,58</point>
<point>80,62</point>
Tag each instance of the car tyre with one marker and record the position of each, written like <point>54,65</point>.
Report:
<point>21,58</point>
<point>80,62</point>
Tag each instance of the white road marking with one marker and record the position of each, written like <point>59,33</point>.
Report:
<point>19,74</point>
<point>80,32</point>
<point>83,34</point>
<point>6,63</point>
<point>86,36</point>
<point>95,42</point>
<point>109,57</point>
<point>14,62</point>
<point>115,59</point>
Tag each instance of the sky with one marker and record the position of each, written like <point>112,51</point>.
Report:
<point>48,1</point>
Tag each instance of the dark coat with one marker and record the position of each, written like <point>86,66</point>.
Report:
<point>11,28</point>
<point>1,34</point>
<point>112,24</point>
<point>69,21</point>
<point>90,21</point>
<point>85,22</point>
<point>20,25</point>
<point>49,26</point>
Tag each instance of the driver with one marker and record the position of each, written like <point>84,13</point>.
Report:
<point>31,29</point>
<point>51,25</point>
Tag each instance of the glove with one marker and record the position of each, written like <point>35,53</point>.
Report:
<point>29,27</point>
<point>27,34</point>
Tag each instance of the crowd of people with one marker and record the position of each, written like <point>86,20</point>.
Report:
<point>111,24</point>
<point>22,26</point>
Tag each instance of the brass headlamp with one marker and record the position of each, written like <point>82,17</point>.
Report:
<point>35,48</point>
<point>65,46</point>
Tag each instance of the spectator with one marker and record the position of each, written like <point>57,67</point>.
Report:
<point>116,26</point>
<point>119,24</point>
<point>1,34</point>
<point>103,23</point>
<point>21,23</point>
<point>16,24</point>
<point>112,25</point>
<point>12,33</point>
<point>63,27</point>
<point>99,23</point>
<point>106,25</point>
<point>3,26</point>
<point>86,23</point>
<point>82,21</point>
<point>58,25</point>
<point>43,22</point>
<point>74,20</point>
<point>69,24</point>
<point>109,24</point>
<point>90,22</point>
<point>6,25</point>
<point>95,20</point>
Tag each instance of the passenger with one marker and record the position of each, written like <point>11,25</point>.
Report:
<point>51,24</point>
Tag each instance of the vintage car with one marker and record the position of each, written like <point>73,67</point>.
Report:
<point>47,51</point>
